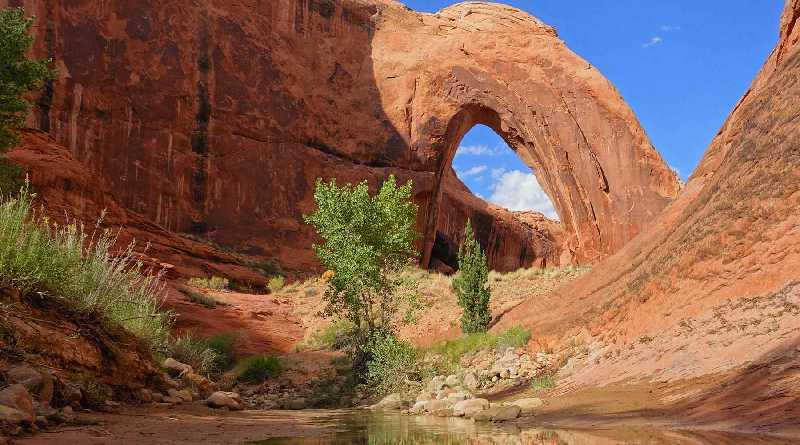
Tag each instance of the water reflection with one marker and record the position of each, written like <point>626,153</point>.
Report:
<point>394,429</point>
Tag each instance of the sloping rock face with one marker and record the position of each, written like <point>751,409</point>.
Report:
<point>215,117</point>
<point>712,289</point>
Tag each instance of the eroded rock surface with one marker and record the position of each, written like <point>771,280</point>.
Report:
<point>711,290</point>
<point>216,117</point>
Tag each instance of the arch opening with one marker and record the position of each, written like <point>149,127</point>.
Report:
<point>493,177</point>
<point>492,171</point>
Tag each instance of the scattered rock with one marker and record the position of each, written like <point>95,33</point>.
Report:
<point>13,416</point>
<point>424,396</point>
<point>144,395</point>
<point>451,381</point>
<point>392,402</point>
<point>459,396</point>
<point>498,414</point>
<point>299,403</point>
<point>437,383</point>
<point>470,407</point>
<point>527,406</point>
<point>436,405</point>
<point>184,395</point>
<point>471,381</point>
<point>418,407</point>
<point>176,368</point>
<point>221,399</point>
<point>158,397</point>
<point>18,398</point>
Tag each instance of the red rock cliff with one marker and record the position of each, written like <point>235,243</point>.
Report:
<point>215,117</point>
<point>711,292</point>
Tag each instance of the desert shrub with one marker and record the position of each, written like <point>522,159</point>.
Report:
<point>195,352</point>
<point>276,284</point>
<point>258,368</point>
<point>367,239</point>
<point>471,285</point>
<point>393,366</point>
<point>201,298</point>
<point>62,261</point>
<point>224,344</point>
<point>213,283</point>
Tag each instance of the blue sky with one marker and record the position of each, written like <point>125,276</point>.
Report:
<point>680,64</point>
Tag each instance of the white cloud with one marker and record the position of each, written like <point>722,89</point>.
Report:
<point>516,190</point>
<point>669,28</point>
<point>653,42</point>
<point>476,150</point>
<point>497,172</point>
<point>474,171</point>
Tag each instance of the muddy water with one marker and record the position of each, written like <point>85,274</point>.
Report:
<point>384,429</point>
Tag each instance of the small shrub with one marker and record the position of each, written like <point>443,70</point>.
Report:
<point>471,285</point>
<point>276,284</point>
<point>337,335</point>
<point>258,368</point>
<point>201,298</point>
<point>214,283</point>
<point>393,365</point>
<point>542,383</point>
<point>224,344</point>
<point>195,352</point>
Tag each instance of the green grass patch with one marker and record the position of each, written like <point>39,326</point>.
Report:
<point>453,350</point>
<point>213,283</point>
<point>63,261</point>
<point>543,383</point>
<point>258,368</point>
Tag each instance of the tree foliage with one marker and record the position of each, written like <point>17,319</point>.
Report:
<point>18,76</point>
<point>471,284</point>
<point>367,240</point>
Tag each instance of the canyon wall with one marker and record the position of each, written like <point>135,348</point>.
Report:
<point>215,118</point>
<point>710,293</point>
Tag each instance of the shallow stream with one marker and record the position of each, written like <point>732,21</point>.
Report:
<point>360,427</point>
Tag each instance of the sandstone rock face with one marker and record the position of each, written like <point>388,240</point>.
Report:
<point>712,287</point>
<point>215,117</point>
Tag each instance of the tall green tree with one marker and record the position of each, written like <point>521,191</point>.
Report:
<point>19,75</point>
<point>367,241</point>
<point>471,285</point>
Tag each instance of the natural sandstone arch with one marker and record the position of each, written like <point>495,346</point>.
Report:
<point>498,66</point>
<point>238,107</point>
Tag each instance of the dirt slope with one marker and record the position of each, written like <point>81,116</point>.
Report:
<point>711,291</point>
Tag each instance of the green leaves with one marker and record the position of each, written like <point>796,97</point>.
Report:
<point>366,240</point>
<point>18,74</point>
<point>471,286</point>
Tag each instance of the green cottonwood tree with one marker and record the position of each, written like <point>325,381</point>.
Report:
<point>367,239</point>
<point>471,284</point>
<point>18,76</point>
